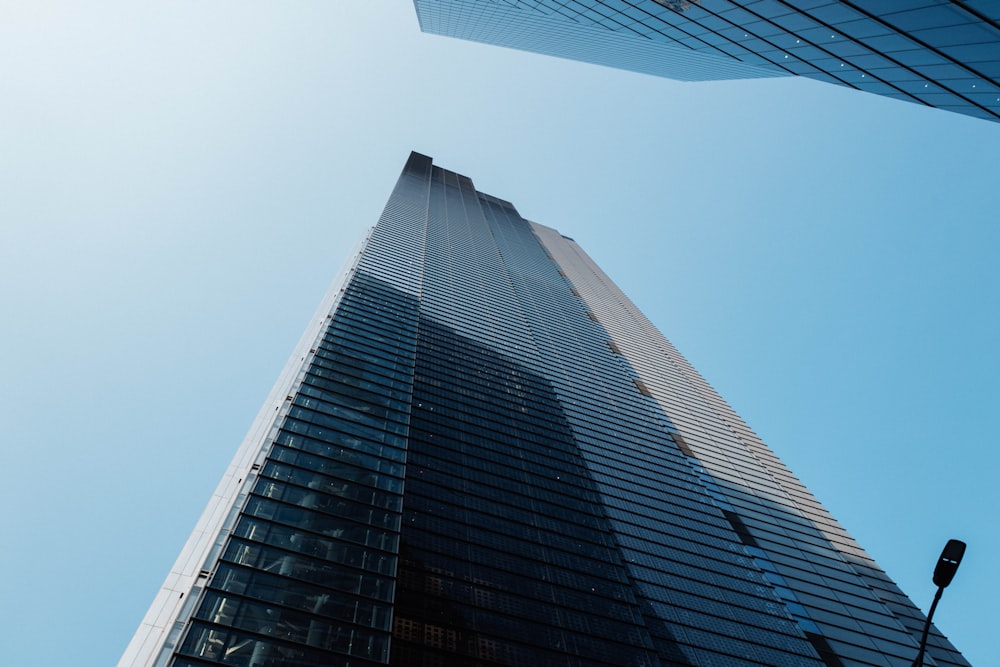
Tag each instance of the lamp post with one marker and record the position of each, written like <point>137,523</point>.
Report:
<point>944,572</point>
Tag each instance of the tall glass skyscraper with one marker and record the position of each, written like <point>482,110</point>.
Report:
<point>942,53</point>
<point>482,453</point>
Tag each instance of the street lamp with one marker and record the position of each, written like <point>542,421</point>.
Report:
<point>944,572</point>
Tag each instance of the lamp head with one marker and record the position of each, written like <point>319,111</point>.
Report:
<point>948,563</point>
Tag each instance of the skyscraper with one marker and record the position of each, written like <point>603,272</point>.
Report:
<point>942,53</point>
<point>482,453</point>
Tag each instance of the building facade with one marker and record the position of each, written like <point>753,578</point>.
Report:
<point>482,453</point>
<point>940,53</point>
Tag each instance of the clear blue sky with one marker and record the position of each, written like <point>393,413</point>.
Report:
<point>179,183</point>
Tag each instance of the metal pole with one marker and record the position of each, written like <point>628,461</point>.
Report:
<point>919,660</point>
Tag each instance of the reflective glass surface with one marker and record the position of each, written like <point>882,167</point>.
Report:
<point>941,53</point>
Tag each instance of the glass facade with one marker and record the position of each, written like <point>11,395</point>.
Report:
<point>941,53</point>
<point>483,454</point>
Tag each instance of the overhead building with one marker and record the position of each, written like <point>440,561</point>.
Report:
<point>940,53</point>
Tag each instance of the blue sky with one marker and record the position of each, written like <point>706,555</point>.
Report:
<point>181,181</point>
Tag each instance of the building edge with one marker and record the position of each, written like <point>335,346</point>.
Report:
<point>161,627</point>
